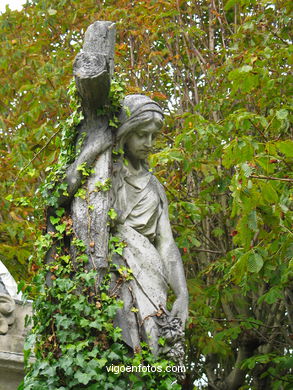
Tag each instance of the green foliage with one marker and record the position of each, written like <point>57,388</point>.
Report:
<point>54,187</point>
<point>74,338</point>
<point>115,244</point>
<point>229,185</point>
<point>105,186</point>
<point>116,95</point>
<point>221,72</point>
<point>112,214</point>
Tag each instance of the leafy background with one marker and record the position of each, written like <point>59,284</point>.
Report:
<point>221,70</point>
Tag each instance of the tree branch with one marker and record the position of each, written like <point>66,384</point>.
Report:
<point>236,377</point>
<point>35,156</point>
<point>270,178</point>
<point>208,250</point>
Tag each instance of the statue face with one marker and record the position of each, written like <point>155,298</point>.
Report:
<point>139,143</point>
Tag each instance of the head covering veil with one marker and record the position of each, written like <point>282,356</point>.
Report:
<point>136,109</point>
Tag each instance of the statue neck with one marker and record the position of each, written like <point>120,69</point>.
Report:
<point>135,167</point>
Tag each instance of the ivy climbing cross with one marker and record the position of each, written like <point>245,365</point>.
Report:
<point>93,68</point>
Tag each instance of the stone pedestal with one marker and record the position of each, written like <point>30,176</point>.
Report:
<point>11,348</point>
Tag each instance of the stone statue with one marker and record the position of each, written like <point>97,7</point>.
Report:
<point>13,329</point>
<point>7,308</point>
<point>8,291</point>
<point>136,195</point>
<point>143,224</point>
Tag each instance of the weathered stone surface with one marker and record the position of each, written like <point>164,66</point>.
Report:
<point>7,314</point>
<point>11,348</point>
<point>11,370</point>
<point>93,68</point>
<point>150,250</point>
<point>90,215</point>
<point>94,65</point>
<point>8,285</point>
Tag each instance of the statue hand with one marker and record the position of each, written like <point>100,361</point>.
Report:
<point>100,141</point>
<point>180,308</point>
<point>96,144</point>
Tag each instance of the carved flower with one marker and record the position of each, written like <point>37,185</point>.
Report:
<point>172,329</point>
<point>7,307</point>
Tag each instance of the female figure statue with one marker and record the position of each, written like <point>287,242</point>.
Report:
<point>143,224</point>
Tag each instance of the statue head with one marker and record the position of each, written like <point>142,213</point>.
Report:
<point>141,120</point>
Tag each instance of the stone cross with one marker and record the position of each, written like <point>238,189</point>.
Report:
<point>92,69</point>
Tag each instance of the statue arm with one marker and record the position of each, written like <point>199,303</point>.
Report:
<point>170,254</point>
<point>95,145</point>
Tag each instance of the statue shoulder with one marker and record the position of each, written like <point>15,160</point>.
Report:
<point>160,188</point>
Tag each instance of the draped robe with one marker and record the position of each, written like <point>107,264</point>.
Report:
<point>139,200</point>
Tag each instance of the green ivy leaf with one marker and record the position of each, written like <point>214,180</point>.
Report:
<point>54,220</point>
<point>82,377</point>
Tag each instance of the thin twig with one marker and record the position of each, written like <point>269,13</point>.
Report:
<point>270,178</point>
<point>35,156</point>
<point>208,250</point>
<point>258,129</point>
<point>279,378</point>
<point>245,320</point>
